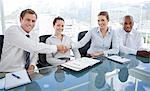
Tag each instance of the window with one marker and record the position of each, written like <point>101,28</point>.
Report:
<point>1,14</point>
<point>79,15</point>
<point>76,14</point>
<point>139,10</point>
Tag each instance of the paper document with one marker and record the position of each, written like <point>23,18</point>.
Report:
<point>2,83</point>
<point>80,64</point>
<point>144,67</point>
<point>15,79</point>
<point>119,59</point>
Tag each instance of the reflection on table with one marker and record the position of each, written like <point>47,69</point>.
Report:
<point>105,76</point>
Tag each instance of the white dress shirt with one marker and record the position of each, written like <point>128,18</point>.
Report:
<point>100,43</point>
<point>130,42</point>
<point>53,58</point>
<point>15,42</point>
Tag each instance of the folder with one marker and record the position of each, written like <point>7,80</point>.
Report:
<point>119,59</point>
<point>80,63</point>
<point>2,83</point>
<point>15,79</point>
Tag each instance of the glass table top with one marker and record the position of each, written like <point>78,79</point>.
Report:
<point>105,76</point>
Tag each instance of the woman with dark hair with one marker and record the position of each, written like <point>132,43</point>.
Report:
<point>103,39</point>
<point>59,38</point>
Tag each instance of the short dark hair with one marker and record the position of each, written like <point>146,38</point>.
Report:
<point>27,11</point>
<point>57,18</point>
<point>104,13</point>
<point>128,16</point>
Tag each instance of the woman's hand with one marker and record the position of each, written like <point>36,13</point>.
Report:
<point>96,54</point>
<point>62,48</point>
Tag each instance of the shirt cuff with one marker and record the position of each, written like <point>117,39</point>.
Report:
<point>135,52</point>
<point>75,45</point>
<point>132,51</point>
<point>105,53</point>
<point>34,64</point>
<point>54,48</point>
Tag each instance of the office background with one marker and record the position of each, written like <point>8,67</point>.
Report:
<point>79,15</point>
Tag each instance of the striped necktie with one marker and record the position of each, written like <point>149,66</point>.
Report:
<point>127,39</point>
<point>27,57</point>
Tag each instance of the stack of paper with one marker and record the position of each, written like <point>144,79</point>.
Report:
<point>144,67</point>
<point>119,59</point>
<point>2,83</point>
<point>15,79</point>
<point>80,64</point>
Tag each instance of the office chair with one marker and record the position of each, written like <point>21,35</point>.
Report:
<point>42,57</point>
<point>1,44</point>
<point>83,50</point>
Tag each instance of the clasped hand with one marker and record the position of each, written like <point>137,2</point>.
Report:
<point>62,48</point>
<point>96,54</point>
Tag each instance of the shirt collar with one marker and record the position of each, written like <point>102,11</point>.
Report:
<point>25,33</point>
<point>55,36</point>
<point>129,32</point>
<point>98,30</point>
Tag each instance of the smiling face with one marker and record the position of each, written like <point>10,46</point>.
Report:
<point>28,22</point>
<point>59,26</point>
<point>128,23</point>
<point>102,22</point>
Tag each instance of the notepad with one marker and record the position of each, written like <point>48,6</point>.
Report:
<point>15,79</point>
<point>144,67</point>
<point>119,59</point>
<point>2,83</point>
<point>80,63</point>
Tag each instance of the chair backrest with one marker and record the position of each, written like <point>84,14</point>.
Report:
<point>42,57</point>
<point>83,50</point>
<point>1,44</point>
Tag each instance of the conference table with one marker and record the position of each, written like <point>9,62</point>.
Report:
<point>107,75</point>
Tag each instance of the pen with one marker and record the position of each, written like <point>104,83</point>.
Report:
<point>18,77</point>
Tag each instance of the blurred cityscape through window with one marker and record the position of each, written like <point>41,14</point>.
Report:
<point>79,15</point>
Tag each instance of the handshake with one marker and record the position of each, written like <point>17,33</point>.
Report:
<point>63,48</point>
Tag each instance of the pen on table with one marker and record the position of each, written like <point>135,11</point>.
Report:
<point>18,77</point>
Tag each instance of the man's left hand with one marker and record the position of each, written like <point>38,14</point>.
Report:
<point>31,69</point>
<point>143,53</point>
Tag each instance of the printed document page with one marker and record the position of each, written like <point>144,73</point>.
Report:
<point>144,66</point>
<point>15,79</point>
<point>118,59</point>
<point>80,63</point>
<point>2,83</point>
